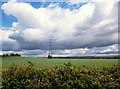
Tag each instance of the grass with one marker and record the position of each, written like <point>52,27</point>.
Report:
<point>46,63</point>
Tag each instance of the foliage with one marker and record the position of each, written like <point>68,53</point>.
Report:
<point>49,56</point>
<point>66,76</point>
<point>10,55</point>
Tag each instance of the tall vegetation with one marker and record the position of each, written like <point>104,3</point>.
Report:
<point>66,76</point>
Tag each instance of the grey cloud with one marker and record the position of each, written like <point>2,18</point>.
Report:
<point>7,46</point>
<point>112,49</point>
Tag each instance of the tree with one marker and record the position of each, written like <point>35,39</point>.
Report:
<point>49,56</point>
<point>12,54</point>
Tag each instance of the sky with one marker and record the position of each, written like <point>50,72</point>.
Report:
<point>74,28</point>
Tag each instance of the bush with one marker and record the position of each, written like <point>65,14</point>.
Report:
<point>66,76</point>
<point>49,56</point>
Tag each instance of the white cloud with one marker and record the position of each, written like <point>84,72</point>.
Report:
<point>4,35</point>
<point>76,1</point>
<point>5,42</point>
<point>15,25</point>
<point>33,35</point>
<point>92,25</point>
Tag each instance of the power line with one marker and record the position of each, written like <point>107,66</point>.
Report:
<point>50,46</point>
<point>50,43</point>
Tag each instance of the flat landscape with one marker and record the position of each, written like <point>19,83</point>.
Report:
<point>48,63</point>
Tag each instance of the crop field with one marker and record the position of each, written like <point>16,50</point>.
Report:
<point>48,63</point>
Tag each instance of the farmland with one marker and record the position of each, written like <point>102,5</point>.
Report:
<point>48,63</point>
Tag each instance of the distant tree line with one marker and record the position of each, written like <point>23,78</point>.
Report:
<point>11,55</point>
<point>91,57</point>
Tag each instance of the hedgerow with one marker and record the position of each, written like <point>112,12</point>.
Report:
<point>66,76</point>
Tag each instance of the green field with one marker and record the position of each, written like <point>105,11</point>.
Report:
<point>45,63</point>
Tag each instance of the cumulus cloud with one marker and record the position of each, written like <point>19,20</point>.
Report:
<point>94,24</point>
<point>5,41</point>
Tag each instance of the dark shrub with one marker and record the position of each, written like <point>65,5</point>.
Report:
<point>66,76</point>
<point>49,56</point>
